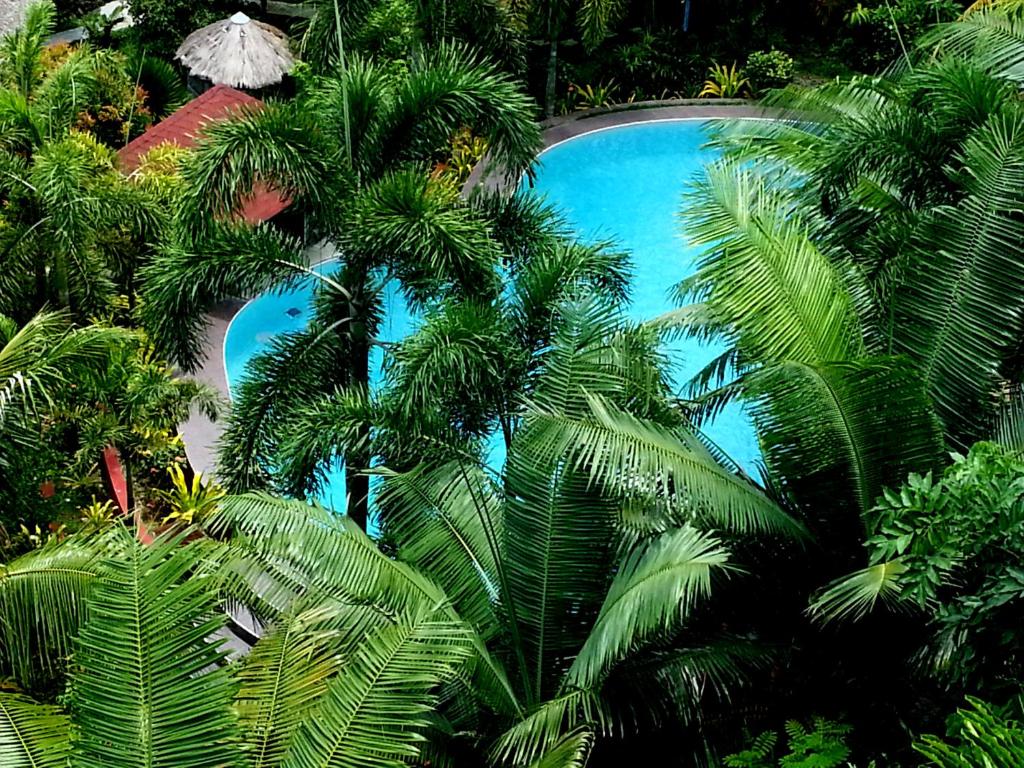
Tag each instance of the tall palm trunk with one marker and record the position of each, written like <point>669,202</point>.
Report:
<point>357,483</point>
<point>549,89</point>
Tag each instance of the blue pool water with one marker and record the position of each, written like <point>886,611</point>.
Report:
<point>623,184</point>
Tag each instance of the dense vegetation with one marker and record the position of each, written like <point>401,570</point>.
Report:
<point>618,589</point>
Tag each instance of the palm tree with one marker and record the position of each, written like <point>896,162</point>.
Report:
<point>594,20</point>
<point>40,362</point>
<point>865,254</point>
<point>860,267</point>
<point>66,208</point>
<point>351,151</point>
<point>497,633</point>
<point>44,355</point>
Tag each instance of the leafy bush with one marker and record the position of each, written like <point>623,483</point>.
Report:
<point>983,739</point>
<point>823,746</point>
<point>953,548</point>
<point>161,25</point>
<point>881,31</point>
<point>593,96</point>
<point>655,62</point>
<point>724,82</point>
<point>769,69</point>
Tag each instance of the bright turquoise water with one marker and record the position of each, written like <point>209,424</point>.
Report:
<point>623,184</point>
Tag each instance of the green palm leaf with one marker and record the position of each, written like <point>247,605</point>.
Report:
<point>957,318</point>
<point>447,522</point>
<point>31,735</point>
<point>868,422</point>
<point>548,725</point>
<point>47,353</point>
<point>571,751</point>
<point>281,549</point>
<point>375,711</point>
<point>284,675</point>
<point>43,604</point>
<point>627,455</point>
<point>856,595</point>
<point>992,37</point>
<point>149,687</point>
<point>654,590</point>
<point>773,290</point>
<point>558,535</point>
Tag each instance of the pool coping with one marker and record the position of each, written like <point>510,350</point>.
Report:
<point>201,435</point>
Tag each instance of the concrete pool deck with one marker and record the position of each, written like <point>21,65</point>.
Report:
<point>201,435</point>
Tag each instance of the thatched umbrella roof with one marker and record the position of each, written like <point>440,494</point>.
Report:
<point>238,52</point>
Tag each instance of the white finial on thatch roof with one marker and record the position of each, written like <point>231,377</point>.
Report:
<point>238,52</point>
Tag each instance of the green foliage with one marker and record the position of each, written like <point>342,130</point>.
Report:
<point>981,737</point>
<point>592,96</point>
<point>190,502</point>
<point>952,548</point>
<point>767,70</point>
<point>161,25</point>
<point>885,31</point>
<point>724,82</point>
<point>821,746</point>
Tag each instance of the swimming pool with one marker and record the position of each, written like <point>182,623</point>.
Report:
<point>623,183</point>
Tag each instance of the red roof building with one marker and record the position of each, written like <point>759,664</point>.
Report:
<point>185,125</point>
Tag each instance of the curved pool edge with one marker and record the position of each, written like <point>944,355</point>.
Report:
<point>201,435</point>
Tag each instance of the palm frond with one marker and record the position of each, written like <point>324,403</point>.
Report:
<point>654,590</point>
<point>958,317</point>
<point>596,18</point>
<point>868,422</point>
<point>993,37</point>
<point>546,727</point>
<point>296,368</point>
<point>284,675</point>
<point>558,536</point>
<point>148,685</point>
<point>47,353</point>
<point>425,234</point>
<point>571,751</point>
<point>32,735</point>
<point>186,279</point>
<point>452,87</point>
<point>44,603</point>
<point>278,146</point>
<point>764,280</point>
<point>281,549</point>
<point>375,711</point>
<point>447,521</point>
<point>627,455</point>
<point>20,67</point>
<point>853,596</point>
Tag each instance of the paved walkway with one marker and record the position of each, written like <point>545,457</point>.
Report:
<point>201,435</point>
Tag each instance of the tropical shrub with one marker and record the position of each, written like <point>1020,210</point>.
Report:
<point>724,82</point>
<point>886,31</point>
<point>767,70</point>
<point>981,737</point>
<point>189,501</point>
<point>161,25</point>
<point>951,548</point>
<point>592,96</point>
<point>41,363</point>
<point>655,62</point>
<point>821,746</point>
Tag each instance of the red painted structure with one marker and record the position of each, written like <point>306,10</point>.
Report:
<point>186,125</point>
<point>114,479</point>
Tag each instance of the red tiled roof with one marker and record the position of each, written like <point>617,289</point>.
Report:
<point>182,128</point>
